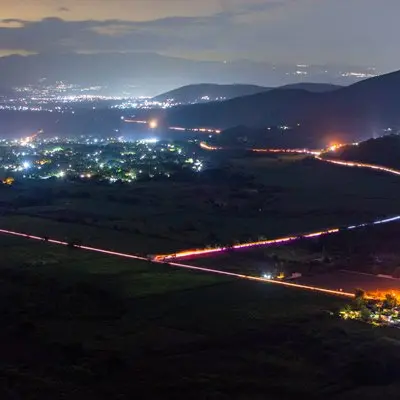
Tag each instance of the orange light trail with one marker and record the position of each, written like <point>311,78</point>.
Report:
<point>153,124</point>
<point>360,165</point>
<point>183,266</point>
<point>206,146</point>
<point>292,151</point>
<point>258,279</point>
<point>271,242</point>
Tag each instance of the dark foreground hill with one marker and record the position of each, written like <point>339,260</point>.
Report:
<point>359,109</point>
<point>382,151</point>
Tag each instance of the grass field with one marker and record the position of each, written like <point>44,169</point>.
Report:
<point>274,197</point>
<point>80,326</point>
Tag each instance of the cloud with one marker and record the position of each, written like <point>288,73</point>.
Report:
<point>64,9</point>
<point>292,31</point>
<point>169,34</point>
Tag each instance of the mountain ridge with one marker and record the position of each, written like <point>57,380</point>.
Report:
<point>196,93</point>
<point>364,106</point>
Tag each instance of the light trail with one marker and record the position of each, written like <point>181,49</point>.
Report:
<point>112,253</point>
<point>153,124</point>
<point>258,279</point>
<point>58,242</point>
<point>359,165</point>
<point>183,266</point>
<point>164,259</point>
<point>135,121</point>
<point>206,146</point>
<point>271,242</point>
<point>290,151</point>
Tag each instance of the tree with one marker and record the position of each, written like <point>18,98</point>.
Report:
<point>390,301</point>
<point>365,314</point>
<point>359,299</point>
<point>359,294</point>
<point>346,309</point>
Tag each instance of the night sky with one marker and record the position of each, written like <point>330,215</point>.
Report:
<point>350,32</point>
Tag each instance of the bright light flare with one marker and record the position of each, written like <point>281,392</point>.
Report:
<point>153,124</point>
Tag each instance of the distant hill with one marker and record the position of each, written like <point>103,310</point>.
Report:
<point>312,87</point>
<point>356,111</point>
<point>208,92</point>
<point>381,151</point>
<point>261,109</point>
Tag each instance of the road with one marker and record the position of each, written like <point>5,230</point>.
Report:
<point>154,124</point>
<point>359,165</point>
<point>169,259</point>
<point>179,265</point>
<point>284,240</point>
<point>271,242</point>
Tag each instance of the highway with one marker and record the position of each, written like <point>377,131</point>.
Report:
<point>359,165</point>
<point>291,238</point>
<point>270,242</point>
<point>154,124</point>
<point>169,259</point>
<point>179,265</point>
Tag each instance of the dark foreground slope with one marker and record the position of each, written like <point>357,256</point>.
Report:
<point>382,151</point>
<point>80,326</point>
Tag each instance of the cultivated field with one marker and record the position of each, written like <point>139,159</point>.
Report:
<point>82,326</point>
<point>255,198</point>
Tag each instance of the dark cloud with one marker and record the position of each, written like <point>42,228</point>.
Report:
<point>304,31</point>
<point>64,9</point>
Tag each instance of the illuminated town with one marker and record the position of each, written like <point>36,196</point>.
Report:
<point>112,159</point>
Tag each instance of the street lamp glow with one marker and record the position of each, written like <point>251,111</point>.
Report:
<point>26,164</point>
<point>153,124</point>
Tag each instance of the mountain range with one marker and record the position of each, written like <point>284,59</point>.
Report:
<point>202,93</point>
<point>148,74</point>
<point>360,109</point>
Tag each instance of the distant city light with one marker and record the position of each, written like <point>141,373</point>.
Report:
<point>149,141</point>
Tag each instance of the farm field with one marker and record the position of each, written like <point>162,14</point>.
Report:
<point>78,325</point>
<point>269,197</point>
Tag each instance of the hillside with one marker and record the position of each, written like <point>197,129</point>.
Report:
<point>208,91</point>
<point>382,151</point>
<point>312,87</point>
<point>357,110</point>
<point>271,107</point>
